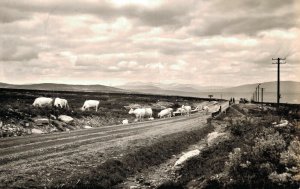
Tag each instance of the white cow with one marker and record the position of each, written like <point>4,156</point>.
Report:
<point>61,103</point>
<point>42,101</point>
<point>125,122</point>
<point>180,111</point>
<point>206,109</point>
<point>187,109</point>
<point>90,104</point>
<point>148,112</point>
<point>139,113</point>
<point>165,113</point>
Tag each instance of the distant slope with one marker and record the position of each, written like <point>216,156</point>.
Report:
<point>63,87</point>
<point>194,90</point>
<point>285,87</point>
<point>187,88</point>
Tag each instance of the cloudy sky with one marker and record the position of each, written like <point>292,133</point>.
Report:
<point>205,42</point>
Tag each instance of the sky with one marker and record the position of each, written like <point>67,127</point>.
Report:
<point>203,42</point>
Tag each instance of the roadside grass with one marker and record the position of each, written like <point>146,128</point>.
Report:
<point>257,156</point>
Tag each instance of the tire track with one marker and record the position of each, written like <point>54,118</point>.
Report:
<point>15,141</point>
<point>42,148</point>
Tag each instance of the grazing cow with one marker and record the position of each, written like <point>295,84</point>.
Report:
<point>187,109</point>
<point>165,113</point>
<point>139,113</point>
<point>42,101</point>
<point>90,104</point>
<point>125,122</point>
<point>148,112</point>
<point>180,111</point>
<point>195,110</point>
<point>206,109</point>
<point>61,103</point>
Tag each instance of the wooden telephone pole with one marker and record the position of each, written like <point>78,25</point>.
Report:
<point>278,78</point>
<point>262,99</point>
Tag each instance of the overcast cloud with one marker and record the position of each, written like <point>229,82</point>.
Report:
<point>215,42</point>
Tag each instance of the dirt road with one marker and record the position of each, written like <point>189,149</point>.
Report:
<point>52,157</point>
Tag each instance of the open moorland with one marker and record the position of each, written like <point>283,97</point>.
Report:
<point>246,146</point>
<point>19,117</point>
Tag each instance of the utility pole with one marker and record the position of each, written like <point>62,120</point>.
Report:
<point>255,94</point>
<point>262,99</point>
<point>278,79</point>
<point>258,92</point>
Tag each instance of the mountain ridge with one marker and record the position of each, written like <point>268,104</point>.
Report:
<point>62,87</point>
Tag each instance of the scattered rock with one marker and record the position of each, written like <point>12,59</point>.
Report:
<point>134,187</point>
<point>282,123</point>
<point>53,116</point>
<point>41,121</point>
<point>36,131</point>
<point>70,127</point>
<point>24,123</point>
<point>216,137</point>
<point>186,156</point>
<point>65,118</point>
<point>59,125</point>
<point>125,122</point>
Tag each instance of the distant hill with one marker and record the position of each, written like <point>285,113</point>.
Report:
<point>63,87</point>
<point>285,87</point>
<point>167,88</point>
<point>164,89</point>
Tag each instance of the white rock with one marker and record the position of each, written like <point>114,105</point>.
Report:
<point>282,123</point>
<point>151,118</point>
<point>125,122</point>
<point>65,118</point>
<point>41,121</point>
<point>87,127</point>
<point>212,137</point>
<point>36,131</point>
<point>52,116</point>
<point>187,156</point>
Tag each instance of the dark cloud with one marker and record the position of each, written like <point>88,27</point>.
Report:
<point>17,49</point>
<point>246,17</point>
<point>8,15</point>
<point>253,6</point>
<point>165,15</point>
<point>249,25</point>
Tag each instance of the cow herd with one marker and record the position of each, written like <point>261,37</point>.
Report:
<point>63,103</point>
<point>140,113</point>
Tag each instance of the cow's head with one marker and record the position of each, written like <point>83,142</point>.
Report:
<point>131,111</point>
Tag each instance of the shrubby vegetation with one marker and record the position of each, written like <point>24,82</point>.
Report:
<point>258,154</point>
<point>267,158</point>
